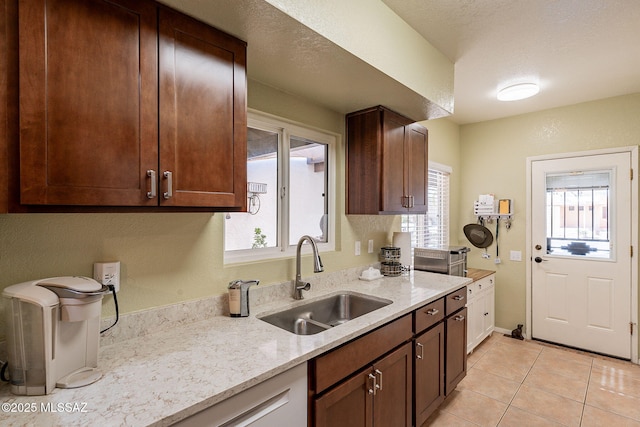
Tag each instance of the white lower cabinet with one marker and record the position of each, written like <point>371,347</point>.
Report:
<point>481,311</point>
<point>279,401</point>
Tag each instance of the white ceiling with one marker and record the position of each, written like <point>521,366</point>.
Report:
<point>578,50</point>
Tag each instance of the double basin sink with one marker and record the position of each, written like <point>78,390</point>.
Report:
<point>325,313</point>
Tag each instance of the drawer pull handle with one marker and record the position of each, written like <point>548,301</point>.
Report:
<point>379,385</point>
<point>459,318</point>
<point>169,177</point>
<point>421,347</point>
<point>153,191</point>
<point>432,312</point>
<point>458,297</point>
<point>373,388</point>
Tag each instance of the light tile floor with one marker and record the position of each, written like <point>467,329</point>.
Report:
<point>526,383</point>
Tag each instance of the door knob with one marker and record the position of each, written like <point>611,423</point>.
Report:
<point>539,260</point>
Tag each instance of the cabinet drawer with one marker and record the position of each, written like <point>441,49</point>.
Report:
<point>472,291</point>
<point>428,315</point>
<point>455,300</point>
<point>484,284</point>
<point>340,363</point>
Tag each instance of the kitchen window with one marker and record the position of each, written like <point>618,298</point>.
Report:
<point>290,191</point>
<point>431,230</point>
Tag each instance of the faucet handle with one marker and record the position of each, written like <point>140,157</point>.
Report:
<point>304,286</point>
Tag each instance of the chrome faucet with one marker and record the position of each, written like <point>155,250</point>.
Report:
<point>299,285</point>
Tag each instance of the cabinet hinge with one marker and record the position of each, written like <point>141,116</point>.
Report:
<point>631,251</point>
<point>631,328</point>
<point>631,174</point>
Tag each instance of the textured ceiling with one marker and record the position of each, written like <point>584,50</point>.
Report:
<point>578,50</point>
<point>287,55</point>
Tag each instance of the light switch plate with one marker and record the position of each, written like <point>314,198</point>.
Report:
<point>370,246</point>
<point>515,256</point>
<point>357,247</point>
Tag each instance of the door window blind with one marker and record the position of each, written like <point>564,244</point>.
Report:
<point>432,228</point>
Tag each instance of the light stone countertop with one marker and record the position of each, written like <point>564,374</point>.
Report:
<point>164,377</point>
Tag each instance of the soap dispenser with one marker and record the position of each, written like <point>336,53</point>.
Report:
<point>239,297</point>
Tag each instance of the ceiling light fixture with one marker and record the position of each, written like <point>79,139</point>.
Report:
<point>518,91</point>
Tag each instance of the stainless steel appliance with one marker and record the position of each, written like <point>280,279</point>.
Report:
<point>450,260</point>
<point>53,333</point>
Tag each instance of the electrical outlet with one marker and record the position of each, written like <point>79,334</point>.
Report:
<point>357,247</point>
<point>107,273</point>
<point>370,247</point>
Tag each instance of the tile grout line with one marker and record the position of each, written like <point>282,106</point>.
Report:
<point>584,403</point>
<point>519,387</point>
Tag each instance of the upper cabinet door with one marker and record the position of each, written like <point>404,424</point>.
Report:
<point>88,101</point>
<point>203,121</point>
<point>417,170</point>
<point>394,195</point>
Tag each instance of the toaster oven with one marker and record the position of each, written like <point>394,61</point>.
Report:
<point>450,260</point>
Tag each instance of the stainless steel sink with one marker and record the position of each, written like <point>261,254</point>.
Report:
<point>317,316</point>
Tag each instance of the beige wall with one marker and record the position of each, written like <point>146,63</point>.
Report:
<point>493,160</point>
<point>172,257</point>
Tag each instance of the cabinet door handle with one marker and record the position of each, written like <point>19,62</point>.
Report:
<point>411,201</point>
<point>153,191</point>
<point>421,347</point>
<point>459,318</point>
<point>458,297</point>
<point>169,177</point>
<point>373,388</point>
<point>379,383</point>
<point>432,312</point>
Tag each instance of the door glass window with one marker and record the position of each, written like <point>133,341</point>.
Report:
<point>578,212</point>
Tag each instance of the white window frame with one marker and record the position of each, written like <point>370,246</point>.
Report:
<point>433,166</point>
<point>284,128</point>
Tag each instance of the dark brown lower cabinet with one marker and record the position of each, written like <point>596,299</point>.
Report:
<point>379,396</point>
<point>396,375</point>
<point>429,372</point>
<point>455,349</point>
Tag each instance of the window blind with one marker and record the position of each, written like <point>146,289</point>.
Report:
<point>432,228</point>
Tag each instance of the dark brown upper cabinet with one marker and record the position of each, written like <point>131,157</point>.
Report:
<point>387,163</point>
<point>125,103</point>
<point>203,119</point>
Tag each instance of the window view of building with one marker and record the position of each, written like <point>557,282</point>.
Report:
<point>578,214</point>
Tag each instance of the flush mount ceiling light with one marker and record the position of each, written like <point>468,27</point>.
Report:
<point>518,91</point>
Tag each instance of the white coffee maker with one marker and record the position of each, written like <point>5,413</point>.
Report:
<point>53,333</point>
